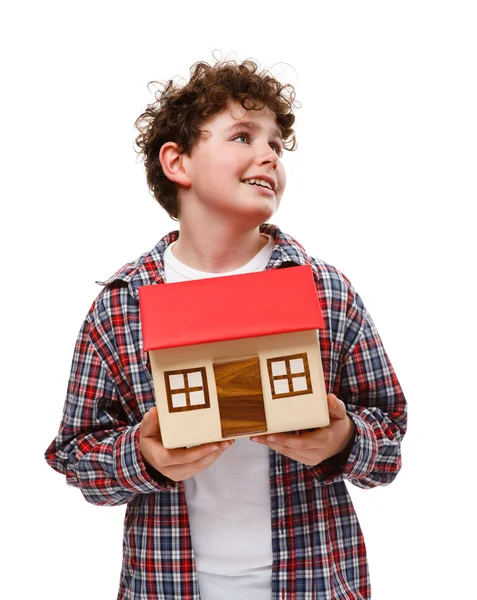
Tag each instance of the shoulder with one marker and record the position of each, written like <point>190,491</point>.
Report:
<point>330,280</point>
<point>342,307</point>
<point>115,292</point>
<point>337,294</point>
<point>120,291</point>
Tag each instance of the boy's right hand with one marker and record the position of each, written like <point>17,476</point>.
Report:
<point>177,464</point>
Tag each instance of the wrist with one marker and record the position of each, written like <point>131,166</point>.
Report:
<point>349,436</point>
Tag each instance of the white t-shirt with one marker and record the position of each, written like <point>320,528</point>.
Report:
<point>229,502</point>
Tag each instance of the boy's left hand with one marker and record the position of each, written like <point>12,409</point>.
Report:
<point>314,446</point>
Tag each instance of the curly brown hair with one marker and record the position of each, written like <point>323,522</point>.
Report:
<point>179,111</point>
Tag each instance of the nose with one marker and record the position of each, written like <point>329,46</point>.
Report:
<point>266,155</point>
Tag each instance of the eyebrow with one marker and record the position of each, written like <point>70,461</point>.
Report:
<point>253,126</point>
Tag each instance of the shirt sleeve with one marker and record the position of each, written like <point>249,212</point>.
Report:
<point>374,400</point>
<point>96,447</point>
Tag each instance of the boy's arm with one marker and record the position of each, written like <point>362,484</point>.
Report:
<point>375,402</point>
<point>97,447</point>
<point>368,422</point>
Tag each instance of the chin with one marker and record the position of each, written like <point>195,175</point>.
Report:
<point>267,207</point>
<point>253,213</point>
<point>258,215</point>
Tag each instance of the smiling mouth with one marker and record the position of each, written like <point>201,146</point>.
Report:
<point>261,187</point>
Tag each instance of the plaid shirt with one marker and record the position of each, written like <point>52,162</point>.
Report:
<point>318,547</point>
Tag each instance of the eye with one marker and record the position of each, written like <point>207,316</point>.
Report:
<point>277,148</point>
<point>242,135</point>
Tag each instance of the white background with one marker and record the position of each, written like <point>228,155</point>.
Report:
<point>382,186</point>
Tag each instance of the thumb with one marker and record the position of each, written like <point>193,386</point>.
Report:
<point>336,407</point>
<point>150,424</point>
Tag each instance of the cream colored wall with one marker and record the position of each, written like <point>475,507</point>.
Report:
<point>296,412</point>
<point>188,428</point>
<point>185,428</point>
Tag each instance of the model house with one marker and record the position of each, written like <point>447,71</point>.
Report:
<point>235,356</point>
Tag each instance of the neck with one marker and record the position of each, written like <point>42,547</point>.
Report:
<point>217,248</point>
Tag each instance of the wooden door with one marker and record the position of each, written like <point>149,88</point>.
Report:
<point>239,390</point>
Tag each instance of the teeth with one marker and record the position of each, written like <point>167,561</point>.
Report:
<point>259,182</point>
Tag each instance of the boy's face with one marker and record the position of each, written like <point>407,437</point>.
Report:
<point>237,145</point>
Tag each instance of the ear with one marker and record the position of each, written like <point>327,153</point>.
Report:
<point>172,164</point>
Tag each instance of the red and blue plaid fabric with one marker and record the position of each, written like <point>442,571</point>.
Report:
<point>318,547</point>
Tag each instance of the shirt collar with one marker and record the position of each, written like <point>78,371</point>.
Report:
<point>149,268</point>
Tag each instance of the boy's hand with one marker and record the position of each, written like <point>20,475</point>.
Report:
<point>314,446</point>
<point>177,464</point>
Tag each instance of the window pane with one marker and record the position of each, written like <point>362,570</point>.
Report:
<point>176,381</point>
<point>178,400</point>
<point>297,366</point>
<point>281,386</point>
<point>279,367</point>
<point>195,379</point>
<point>299,384</point>
<point>197,398</point>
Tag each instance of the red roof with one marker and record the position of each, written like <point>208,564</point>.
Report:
<point>229,308</point>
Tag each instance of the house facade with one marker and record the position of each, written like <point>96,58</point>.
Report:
<point>232,361</point>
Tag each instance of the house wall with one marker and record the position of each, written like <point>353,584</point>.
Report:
<point>188,428</point>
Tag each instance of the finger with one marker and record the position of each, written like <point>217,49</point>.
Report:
<point>150,424</point>
<point>183,456</point>
<point>307,457</point>
<point>181,472</point>
<point>309,440</point>
<point>336,407</point>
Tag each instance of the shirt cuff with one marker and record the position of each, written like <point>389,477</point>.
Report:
<point>131,471</point>
<point>356,461</point>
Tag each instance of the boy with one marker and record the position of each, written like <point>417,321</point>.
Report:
<point>261,518</point>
